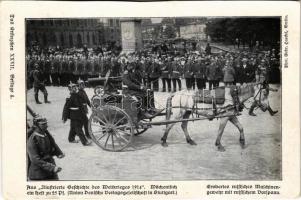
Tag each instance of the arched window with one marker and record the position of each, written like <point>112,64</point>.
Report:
<point>70,40</point>
<point>79,40</point>
<point>88,38</point>
<point>62,39</point>
<point>94,39</point>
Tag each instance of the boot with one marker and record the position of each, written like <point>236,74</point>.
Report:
<point>252,109</point>
<point>146,115</point>
<point>271,111</point>
<point>46,99</point>
<point>37,99</point>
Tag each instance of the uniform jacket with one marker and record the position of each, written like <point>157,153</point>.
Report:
<point>74,108</point>
<point>55,66</point>
<point>72,66</point>
<point>85,99</point>
<point>41,148</point>
<point>166,70</point>
<point>199,70</point>
<point>211,72</point>
<point>64,67</point>
<point>155,70</point>
<point>176,70</point>
<point>188,69</point>
<point>88,67</point>
<point>131,80</point>
<point>38,78</point>
<point>229,74</point>
<point>47,66</point>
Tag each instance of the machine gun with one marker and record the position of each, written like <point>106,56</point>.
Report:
<point>110,84</point>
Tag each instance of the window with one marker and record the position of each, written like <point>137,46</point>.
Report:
<point>88,38</point>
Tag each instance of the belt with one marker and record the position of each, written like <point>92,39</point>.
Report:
<point>74,108</point>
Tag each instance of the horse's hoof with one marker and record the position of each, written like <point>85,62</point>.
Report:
<point>164,144</point>
<point>191,142</point>
<point>221,148</point>
<point>242,143</point>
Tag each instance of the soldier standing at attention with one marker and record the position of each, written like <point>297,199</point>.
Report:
<point>176,68</point>
<point>75,111</point>
<point>41,148</point>
<point>155,74</point>
<point>188,74</point>
<point>38,84</point>
<point>199,71</point>
<point>166,72</point>
<point>86,102</point>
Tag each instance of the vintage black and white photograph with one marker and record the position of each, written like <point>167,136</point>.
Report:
<point>153,98</point>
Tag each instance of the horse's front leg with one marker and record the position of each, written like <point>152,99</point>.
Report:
<point>222,125</point>
<point>238,125</point>
<point>184,128</point>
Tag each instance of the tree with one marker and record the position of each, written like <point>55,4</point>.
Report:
<point>248,30</point>
<point>169,31</point>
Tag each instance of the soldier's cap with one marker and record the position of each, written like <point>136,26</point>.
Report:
<point>39,120</point>
<point>80,81</point>
<point>71,85</point>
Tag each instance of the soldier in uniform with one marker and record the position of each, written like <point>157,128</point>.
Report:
<point>64,71</point>
<point>176,74</point>
<point>166,71</point>
<point>199,71</point>
<point>86,102</point>
<point>75,111</point>
<point>55,71</point>
<point>134,87</point>
<point>188,74</point>
<point>211,73</point>
<point>250,70</point>
<point>38,84</point>
<point>41,148</point>
<point>155,74</point>
<point>47,70</point>
<point>72,69</point>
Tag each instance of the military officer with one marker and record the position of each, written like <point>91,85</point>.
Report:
<point>41,147</point>
<point>39,84</point>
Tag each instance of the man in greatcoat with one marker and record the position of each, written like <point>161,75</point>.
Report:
<point>41,147</point>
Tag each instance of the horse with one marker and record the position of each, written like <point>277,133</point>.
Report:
<point>183,103</point>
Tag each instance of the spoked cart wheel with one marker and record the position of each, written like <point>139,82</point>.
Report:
<point>111,128</point>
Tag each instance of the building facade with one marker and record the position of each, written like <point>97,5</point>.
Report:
<point>72,32</point>
<point>112,29</point>
<point>193,31</point>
